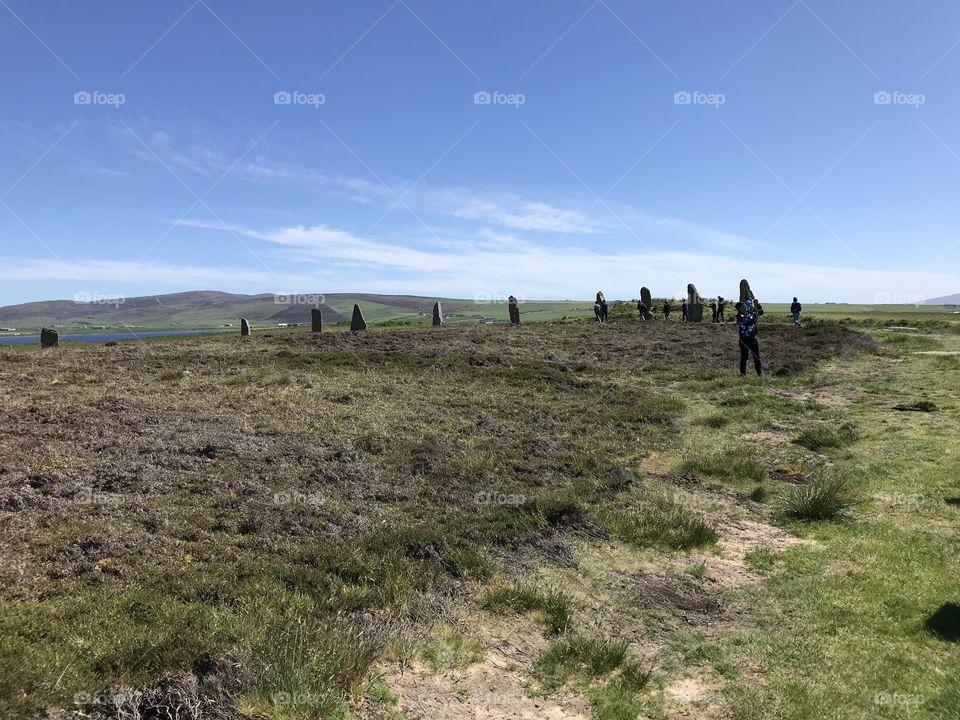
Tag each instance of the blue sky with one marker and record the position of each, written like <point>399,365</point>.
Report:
<point>810,146</point>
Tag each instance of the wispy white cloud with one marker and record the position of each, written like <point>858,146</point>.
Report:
<point>501,265</point>
<point>116,272</point>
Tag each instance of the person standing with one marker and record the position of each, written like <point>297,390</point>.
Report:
<point>721,308</point>
<point>747,329</point>
<point>714,309</point>
<point>685,310</point>
<point>666,309</point>
<point>643,310</point>
<point>600,307</point>
<point>795,309</point>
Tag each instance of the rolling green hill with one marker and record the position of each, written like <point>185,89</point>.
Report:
<point>209,309</point>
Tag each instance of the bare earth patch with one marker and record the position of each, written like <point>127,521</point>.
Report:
<point>737,538</point>
<point>496,688</point>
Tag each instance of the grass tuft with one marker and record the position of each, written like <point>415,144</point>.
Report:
<point>552,605</point>
<point>824,438</point>
<point>734,464</point>
<point>826,498</point>
<point>661,523</point>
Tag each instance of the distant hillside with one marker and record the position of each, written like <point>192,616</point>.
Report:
<point>210,309</point>
<point>945,300</point>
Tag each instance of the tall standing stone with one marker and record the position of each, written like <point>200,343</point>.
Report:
<point>437,315</point>
<point>316,320</point>
<point>357,323</point>
<point>745,292</point>
<point>514,310</point>
<point>244,327</point>
<point>694,304</point>
<point>647,299</point>
<point>49,338</point>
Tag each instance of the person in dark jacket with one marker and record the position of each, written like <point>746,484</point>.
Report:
<point>600,307</point>
<point>643,310</point>
<point>721,308</point>
<point>715,311</point>
<point>666,309</point>
<point>685,310</point>
<point>747,329</point>
<point>795,309</point>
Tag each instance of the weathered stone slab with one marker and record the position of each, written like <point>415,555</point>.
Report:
<point>514,309</point>
<point>745,292</point>
<point>694,304</point>
<point>244,327</point>
<point>646,298</point>
<point>357,323</point>
<point>316,320</point>
<point>437,315</point>
<point>49,338</point>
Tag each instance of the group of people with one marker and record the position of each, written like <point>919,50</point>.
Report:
<point>748,313</point>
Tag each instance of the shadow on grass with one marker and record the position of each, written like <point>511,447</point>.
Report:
<point>945,623</point>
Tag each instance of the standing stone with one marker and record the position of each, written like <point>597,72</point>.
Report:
<point>694,304</point>
<point>357,323</point>
<point>49,338</point>
<point>244,327</point>
<point>745,292</point>
<point>647,299</point>
<point>437,315</point>
<point>514,310</point>
<point>316,320</point>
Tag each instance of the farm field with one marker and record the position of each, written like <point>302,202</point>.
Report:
<point>556,520</point>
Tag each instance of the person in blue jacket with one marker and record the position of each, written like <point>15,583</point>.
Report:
<point>747,315</point>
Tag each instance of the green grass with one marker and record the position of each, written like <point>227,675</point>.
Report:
<point>825,498</point>
<point>827,438</point>
<point>552,606</point>
<point>737,463</point>
<point>442,461</point>
<point>660,523</point>
<point>449,649</point>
